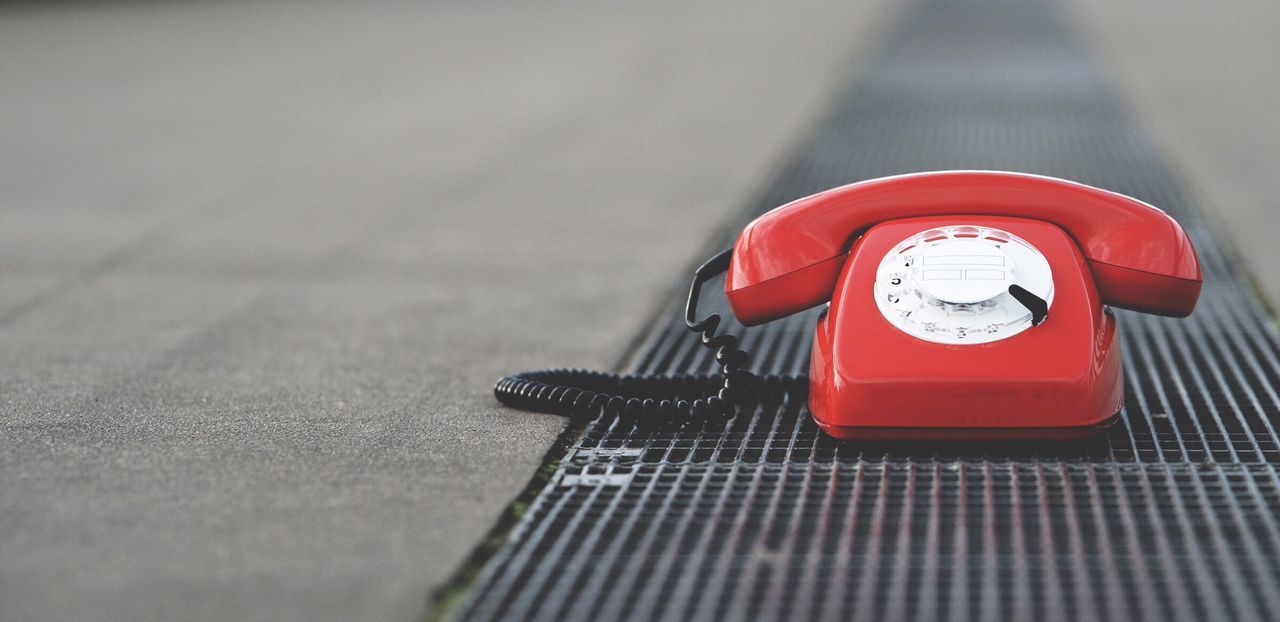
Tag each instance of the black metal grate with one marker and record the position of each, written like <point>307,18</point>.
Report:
<point>1173,514</point>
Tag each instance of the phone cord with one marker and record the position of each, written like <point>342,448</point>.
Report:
<point>638,398</point>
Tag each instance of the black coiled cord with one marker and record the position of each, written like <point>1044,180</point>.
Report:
<point>638,399</point>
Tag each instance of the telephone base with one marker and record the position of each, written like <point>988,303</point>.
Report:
<point>1060,379</point>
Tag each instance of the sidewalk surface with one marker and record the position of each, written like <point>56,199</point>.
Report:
<point>261,262</point>
<point>1205,78</point>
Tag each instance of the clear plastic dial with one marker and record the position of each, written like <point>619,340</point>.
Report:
<point>951,284</point>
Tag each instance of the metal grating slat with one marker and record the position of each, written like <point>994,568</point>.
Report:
<point>1173,514</point>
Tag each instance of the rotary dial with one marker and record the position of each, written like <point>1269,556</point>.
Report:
<point>964,284</point>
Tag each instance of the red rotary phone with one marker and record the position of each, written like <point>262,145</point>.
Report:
<point>963,305</point>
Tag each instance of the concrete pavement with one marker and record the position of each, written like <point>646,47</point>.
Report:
<point>261,262</point>
<point>1205,77</point>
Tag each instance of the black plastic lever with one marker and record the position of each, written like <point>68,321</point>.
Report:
<point>1036,305</point>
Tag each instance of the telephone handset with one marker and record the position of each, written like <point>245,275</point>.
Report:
<point>789,258</point>
<point>962,305</point>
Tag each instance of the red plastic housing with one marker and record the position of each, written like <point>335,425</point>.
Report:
<point>787,260</point>
<point>1060,379</point>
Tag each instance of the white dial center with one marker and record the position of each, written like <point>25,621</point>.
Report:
<point>951,284</point>
<point>961,270</point>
